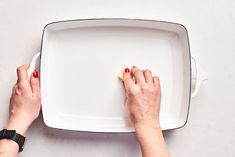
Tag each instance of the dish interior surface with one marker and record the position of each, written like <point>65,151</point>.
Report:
<point>81,61</point>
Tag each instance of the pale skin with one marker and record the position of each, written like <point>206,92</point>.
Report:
<point>143,97</point>
<point>24,109</point>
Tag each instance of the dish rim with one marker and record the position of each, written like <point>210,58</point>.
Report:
<point>129,19</point>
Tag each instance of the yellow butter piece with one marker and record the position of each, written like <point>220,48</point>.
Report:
<point>120,76</point>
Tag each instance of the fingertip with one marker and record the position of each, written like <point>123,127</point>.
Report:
<point>156,81</point>
<point>148,76</point>
<point>22,72</point>
<point>34,78</point>
<point>127,70</point>
<point>127,78</point>
<point>34,82</point>
<point>121,74</point>
<point>23,67</point>
<point>35,74</point>
<point>156,78</point>
<point>133,68</point>
<point>126,73</point>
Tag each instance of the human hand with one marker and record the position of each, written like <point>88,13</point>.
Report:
<point>25,101</point>
<point>142,97</point>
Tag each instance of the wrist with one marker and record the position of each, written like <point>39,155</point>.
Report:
<point>18,125</point>
<point>147,132</point>
<point>147,122</point>
<point>147,126</point>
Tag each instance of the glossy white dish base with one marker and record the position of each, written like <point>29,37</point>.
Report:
<point>80,63</point>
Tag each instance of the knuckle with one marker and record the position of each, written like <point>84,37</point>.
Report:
<point>144,88</point>
<point>132,91</point>
<point>136,72</point>
<point>18,91</point>
<point>21,86</point>
<point>152,90</point>
<point>147,89</point>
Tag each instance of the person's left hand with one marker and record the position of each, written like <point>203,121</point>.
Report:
<point>25,101</point>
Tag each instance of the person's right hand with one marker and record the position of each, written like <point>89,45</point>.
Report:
<point>143,97</point>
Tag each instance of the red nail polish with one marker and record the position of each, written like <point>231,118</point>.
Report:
<point>127,70</point>
<point>35,74</point>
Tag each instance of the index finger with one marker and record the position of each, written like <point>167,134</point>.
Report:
<point>127,79</point>
<point>22,72</point>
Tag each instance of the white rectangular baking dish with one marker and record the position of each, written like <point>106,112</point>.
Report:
<point>79,65</point>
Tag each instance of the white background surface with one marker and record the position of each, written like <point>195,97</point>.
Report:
<point>211,126</point>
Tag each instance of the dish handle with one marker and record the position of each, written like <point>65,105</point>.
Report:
<point>33,64</point>
<point>198,76</point>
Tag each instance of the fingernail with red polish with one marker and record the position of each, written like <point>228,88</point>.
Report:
<point>35,74</point>
<point>127,70</point>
